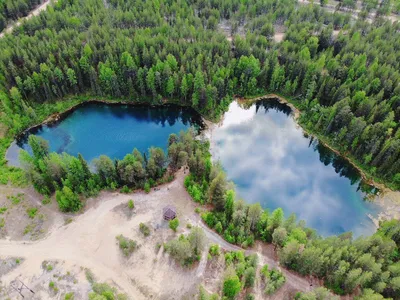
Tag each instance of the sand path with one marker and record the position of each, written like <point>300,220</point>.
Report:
<point>34,12</point>
<point>89,241</point>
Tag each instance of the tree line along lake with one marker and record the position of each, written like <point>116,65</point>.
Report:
<point>262,149</point>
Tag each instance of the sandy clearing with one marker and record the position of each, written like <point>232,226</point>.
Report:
<point>89,241</point>
<point>333,7</point>
<point>33,13</point>
<point>278,37</point>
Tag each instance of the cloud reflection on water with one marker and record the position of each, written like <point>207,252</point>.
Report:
<point>270,161</point>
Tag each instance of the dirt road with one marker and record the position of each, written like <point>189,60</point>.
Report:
<point>89,241</point>
<point>34,12</point>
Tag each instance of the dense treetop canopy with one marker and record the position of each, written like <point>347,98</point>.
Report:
<point>343,72</point>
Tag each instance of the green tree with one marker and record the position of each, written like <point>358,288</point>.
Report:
<point>232,285</point>
<point>67,200</point>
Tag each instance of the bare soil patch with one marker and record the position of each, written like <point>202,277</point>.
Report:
<point>22,214</point>
<point>88,240</point>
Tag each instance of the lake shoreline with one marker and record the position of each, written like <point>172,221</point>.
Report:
<point>207,126</point>
<point>383,189</point>
<point>59,116</point>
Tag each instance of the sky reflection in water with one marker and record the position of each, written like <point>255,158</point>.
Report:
<point>270,161</point>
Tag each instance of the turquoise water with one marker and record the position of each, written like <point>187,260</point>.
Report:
<point>113,130</point>
<point>261,148</point>
<point>270,161</point>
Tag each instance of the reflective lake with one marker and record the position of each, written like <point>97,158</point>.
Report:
<point>271,161</point>
<point>114,130</point>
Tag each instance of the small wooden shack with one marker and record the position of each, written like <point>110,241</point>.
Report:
<point>169,212</point>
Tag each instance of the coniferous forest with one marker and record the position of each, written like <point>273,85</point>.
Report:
<point>342,72</point>
<point>12,10</point>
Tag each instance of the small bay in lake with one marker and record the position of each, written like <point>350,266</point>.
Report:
<point>271,161</point>
<point>94,129</point>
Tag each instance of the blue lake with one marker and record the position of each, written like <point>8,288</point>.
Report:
<point>271,161</point>
<point>262,149</point>
<point>114,130</point>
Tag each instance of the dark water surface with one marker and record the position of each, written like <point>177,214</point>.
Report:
<point>270,161</point>
<point>114,130</point>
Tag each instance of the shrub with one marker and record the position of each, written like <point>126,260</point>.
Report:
<point>126,245</point>
<point>32,212</point>
<point>52,285</point>
<point>250,297</point>
<point>249,276</point>
<point>204,295</point>
<point>3,210</point>
<point>214,250</point>
<point>67,200</point>
<point>104,291</point>
<point>144,229</point>
<point>273,279</point>
<point>90,276</point>
<point>2,223</point>
<point>173,224</point>
<point>69,296</point>
<point>232,285</point>
<point>147,187</point>
<point>46,200</point>
<point>49,268</point>
<point>209,218</point>
<point>218,227</point>
<point>131,205</point>
<point>187,249</point>
<point>125,190</point>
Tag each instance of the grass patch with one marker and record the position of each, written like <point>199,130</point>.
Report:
<point>28,229</point>
<point>2,223</point>
<point>53,287</point>
<point>144,229</point>
<point>126,245</point>
<point>32,212</point>
<point>104,291</point>
<point>46,200</point>
<point>90,276</point>
<point>15,200</point>
<point>69,296</point>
